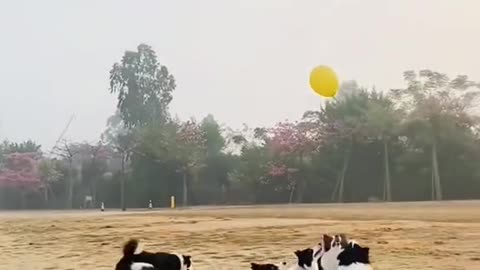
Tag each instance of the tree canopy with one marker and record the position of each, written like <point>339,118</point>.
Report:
<point>419,142</point>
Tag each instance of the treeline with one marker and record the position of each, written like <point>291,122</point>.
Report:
<point>420,142</point>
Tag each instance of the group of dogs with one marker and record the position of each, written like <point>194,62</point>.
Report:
<point>335,252</point>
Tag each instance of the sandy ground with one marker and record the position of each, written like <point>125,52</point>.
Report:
<point>401,235</point>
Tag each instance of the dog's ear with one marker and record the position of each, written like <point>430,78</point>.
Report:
<point>298,253</point>
<point>327,238</point>
<point>187,260</point>
<point>343,240</point>
<point>366,250</point>
<point>327,242</point>
<point>253,266</point>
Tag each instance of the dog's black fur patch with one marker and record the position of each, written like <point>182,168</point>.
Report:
<point>354,253</point>
<point>159,260</point>
<point>305,257</point>
<point>267,266</point>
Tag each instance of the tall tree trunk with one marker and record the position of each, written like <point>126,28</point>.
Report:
<point>300,182</point>
<point>69,197</point>
<point>23,195</point>
<point>292,191</point>
<point>94,192</point>
<point>47,191</point>
<point>436,174</point>
<point>341,179</point>
<point>432,185</point>
<point>52,195</point>
<point>122,186</point>
<point>185,187</point>
<point>335,189</point>
<point>223,193</point>
<point>45,195</point>
<point>387,190</point>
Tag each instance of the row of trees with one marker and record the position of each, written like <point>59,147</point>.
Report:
<point>419,142</point>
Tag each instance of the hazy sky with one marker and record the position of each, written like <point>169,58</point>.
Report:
<point>245,61</point>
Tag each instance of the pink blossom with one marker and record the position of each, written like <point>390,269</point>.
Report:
<point>21,170</point>
<point>277,170</point>
<point>288,138</point>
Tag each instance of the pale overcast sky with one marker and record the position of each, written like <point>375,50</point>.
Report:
<point>245,61</point>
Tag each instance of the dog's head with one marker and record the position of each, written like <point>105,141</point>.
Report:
<point>327,242</point>
<point>354,253</point>
<point>332,246</point>
<point>267,266</point>
<point>335,241</point>
<point>187,262</point>
<point>308,258</point>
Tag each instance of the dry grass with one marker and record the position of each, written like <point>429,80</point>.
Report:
<point>401,236</point>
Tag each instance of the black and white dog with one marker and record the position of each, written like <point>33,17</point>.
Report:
<point>307,259</point>
<point>341,253</point>
<point>354,257</point>
<point>134,260</point>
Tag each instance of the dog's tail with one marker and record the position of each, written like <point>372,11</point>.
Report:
<point>130,247</point>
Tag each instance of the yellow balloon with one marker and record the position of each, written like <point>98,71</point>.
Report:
<point>324,81</point>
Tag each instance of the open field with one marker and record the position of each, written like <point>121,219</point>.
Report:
<point>401,235</point>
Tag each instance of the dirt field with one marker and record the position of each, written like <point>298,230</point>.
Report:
<point>401,235</point>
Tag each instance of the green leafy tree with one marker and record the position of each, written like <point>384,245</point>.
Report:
<point>123,141</point>
<point>190,146</point>
<point>49,173</point>
<point>439,111</point>
<point>28,146</point>
<point>214,141</point>
<point>254,164</point>
<point>217,163</point>
<point>382,121</point>
<point>92,159</point>
<point>143,86</point>
<point>341,123</point>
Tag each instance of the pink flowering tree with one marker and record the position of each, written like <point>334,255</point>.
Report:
<point>21,170</point>
<point>290,144</point>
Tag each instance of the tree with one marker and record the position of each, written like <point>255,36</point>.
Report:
<point>28,146</point>
<point>290,144</point>
<point>143,86</point>
<point>93,162</point>
<point>68,152</point>
<point>190,150</point>
<point>214,141</point>
<point>382,121</point>
<point>254,164</point>
<point>20,170</point>
<point>348,88</point>
<point>123,141</point>
<point>49,173</point>
<point>217,167</point>
<point>340,123</point>
<point>438,108</point>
